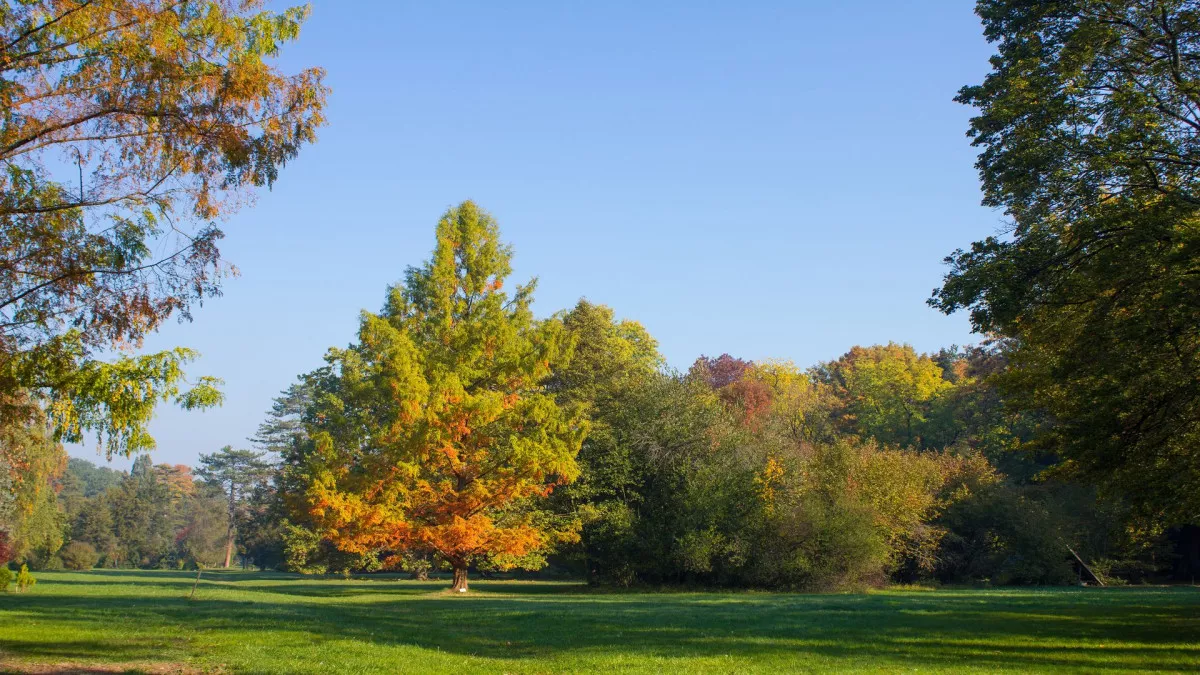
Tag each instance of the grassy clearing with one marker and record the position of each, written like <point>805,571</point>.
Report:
<point>250,622</point>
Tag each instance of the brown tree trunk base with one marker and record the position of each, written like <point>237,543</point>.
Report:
<point>460,580</point>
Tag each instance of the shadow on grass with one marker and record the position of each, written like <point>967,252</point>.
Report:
<point>1148,630</point>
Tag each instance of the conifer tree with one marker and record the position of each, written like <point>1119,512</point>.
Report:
<point>235,473</point>
<point>436,432</point>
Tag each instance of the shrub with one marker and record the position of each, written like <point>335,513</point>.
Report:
<point>418,566</point>
<point>6,576</point>
<point>24,579</point>
<point>79,555</point>
<point>300,550</point>
<point>820,542</point>
<point>1005,534</point>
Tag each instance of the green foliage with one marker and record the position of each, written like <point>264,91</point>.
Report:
<point>888,392</point>
<point>301,550</point>
<point>143,522</point>
<point>284,429</point>
<point>260,533</point>
<point>417,566</point>
<point>1087,125</point>
<point>820,541</point>
<point>6,577</point>
<point>31,462</point>
<point>93,480</point>
<point>1004,535</point>
<point>116,401</point>
<point>201,541</point>
<point>156,516</point>
<point>127,128</point>
<point>609,361</point>
<point>79,555</point>
<point>235,473</point>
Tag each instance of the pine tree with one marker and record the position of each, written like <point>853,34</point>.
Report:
<point>235,473</point>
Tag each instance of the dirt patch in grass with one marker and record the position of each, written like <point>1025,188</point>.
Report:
<point>76,668</point>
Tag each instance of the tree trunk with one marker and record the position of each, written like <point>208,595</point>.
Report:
<point>232,530</point>
<point>460,580</point>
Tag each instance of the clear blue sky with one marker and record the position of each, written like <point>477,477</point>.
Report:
<point>768,179</point>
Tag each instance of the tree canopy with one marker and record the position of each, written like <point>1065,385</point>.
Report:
<point>435,430</point>
<point>127,128</point>
<point>1089,125</point>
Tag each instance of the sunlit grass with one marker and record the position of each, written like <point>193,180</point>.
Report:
<point>247,622</point>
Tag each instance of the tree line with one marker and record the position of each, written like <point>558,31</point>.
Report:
<point>460,433</point>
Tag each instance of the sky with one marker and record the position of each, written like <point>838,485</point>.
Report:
<point>766,179</point>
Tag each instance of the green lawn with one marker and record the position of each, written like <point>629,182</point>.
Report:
<point>111,621</point>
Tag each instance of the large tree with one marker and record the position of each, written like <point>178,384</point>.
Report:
<point>1089,125</point>
<point>611,359</point>
<point>128,128</point>
<point>436,432</point>
<point>235,473</point>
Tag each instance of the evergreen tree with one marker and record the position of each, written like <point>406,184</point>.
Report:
<point>234,473</point>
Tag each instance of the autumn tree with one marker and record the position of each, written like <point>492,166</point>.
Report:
<point>802,407</point>
<point>235,473</point>
<point>128,128</point>
<point>886,391</point>
<point>728,376</point>
<point>1089,130</point>
<point>435,431</point>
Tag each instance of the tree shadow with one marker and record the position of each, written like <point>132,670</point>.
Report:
<point>520,621</point>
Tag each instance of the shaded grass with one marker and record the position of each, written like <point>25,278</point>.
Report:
<point>250,622</point>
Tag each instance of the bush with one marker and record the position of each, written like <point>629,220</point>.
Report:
<point>79,555</point>
<point>6,576</point>
<point>1005,534</point>
<point>821,542</point>
<point>25,579</point>
<point>418,566</point>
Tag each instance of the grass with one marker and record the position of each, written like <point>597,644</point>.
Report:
<point>112,621</point>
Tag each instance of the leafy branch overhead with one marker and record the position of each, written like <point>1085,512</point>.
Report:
<point>1089,129</point>
<point>128,128</point>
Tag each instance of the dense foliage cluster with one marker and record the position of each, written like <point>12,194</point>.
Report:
<point>460,432</point>
<point>152,516</point>
<point>1089,125</point>
<point>127,128</point>
<point>882,464</point>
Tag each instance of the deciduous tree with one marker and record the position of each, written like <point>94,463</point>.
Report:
<point>436,431</point>
<point>127,128</point>
<point>1089,125</point>
<point>887,391</point>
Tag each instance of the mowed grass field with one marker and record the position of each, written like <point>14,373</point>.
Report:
<point>139,621</point>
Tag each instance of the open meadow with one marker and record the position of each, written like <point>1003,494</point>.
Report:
<point>142,621</point>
